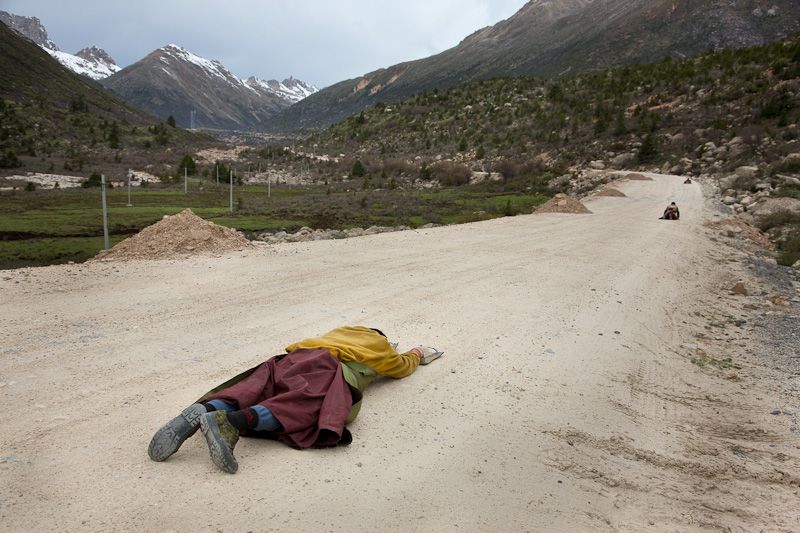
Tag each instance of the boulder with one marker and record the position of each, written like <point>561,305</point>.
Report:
<point>597,165</point>
<point>729,200</point>
<point>788,180</point>
<point>772,206</point>
<point>623,160</point>
<point>727,182</point>
<point>791,160</point>
<point>746,172</point>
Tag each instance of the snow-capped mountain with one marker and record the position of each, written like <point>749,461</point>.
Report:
<point>97,70</point>
<point>92,62</point>
<point>202,92</point>
<point>289,89</point>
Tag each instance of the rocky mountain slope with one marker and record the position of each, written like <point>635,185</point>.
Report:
<point>92,62</point>
<point>172,81</point>
<point>555,38</point>
<point>52,119</point>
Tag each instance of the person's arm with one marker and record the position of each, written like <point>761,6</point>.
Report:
<point>404,364</point>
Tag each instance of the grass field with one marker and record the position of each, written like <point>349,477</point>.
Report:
<point>57,226</point>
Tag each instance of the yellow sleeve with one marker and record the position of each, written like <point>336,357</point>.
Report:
<point>363,345</point>
<point>404,364</point>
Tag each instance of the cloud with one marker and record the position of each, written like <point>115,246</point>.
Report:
<point>319,41</point>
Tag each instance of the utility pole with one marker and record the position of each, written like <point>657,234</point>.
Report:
<point>217,167</point>
<point>185,181</point>
<point>269,186</point>
<point>130,175</point>
<point>231,190</point>
<point>105,211</point>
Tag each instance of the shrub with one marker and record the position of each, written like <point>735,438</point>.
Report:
<point>94,180</point>
<point>187,163</point>
<point>648,150</point>
<point>10,160</point>
<point>450,173</point>
<point>790,250</point>
<point>358,170</point>
<point>30,186</point>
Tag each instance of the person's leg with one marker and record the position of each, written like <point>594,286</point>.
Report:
<point>174,433</point>
<point>221,430</point>
<point>169,438</point>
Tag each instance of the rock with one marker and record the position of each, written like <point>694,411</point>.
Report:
<point>623,160</point>
<point>772,206</point>
<point>678,138</point>
<point>729,200</point>
<point>788,180</point>
<point>746,172</point>
<point>791,160</point>
<point>747,201</point>
<point>796,265</point>
<point>727,182</point>
<point>762,186</point>
<point>735,141</point>
<point>740,289</point>
<point>777,299</point>
<point>597,165</point>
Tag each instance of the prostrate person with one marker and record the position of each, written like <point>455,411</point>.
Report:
<point>671,212</point>
<point>302,398</point>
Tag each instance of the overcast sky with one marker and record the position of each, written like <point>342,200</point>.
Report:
<point>318,41</point>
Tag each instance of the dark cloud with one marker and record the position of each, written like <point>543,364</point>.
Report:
<point>320,41</point>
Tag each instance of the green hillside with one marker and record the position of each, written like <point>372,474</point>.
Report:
<point>655,114</point>
<point>52,120</point>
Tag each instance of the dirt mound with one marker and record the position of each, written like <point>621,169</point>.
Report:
<point>562,203</point>
<point>638,177</point>
<point>612,192</point>
<point>181,235</point>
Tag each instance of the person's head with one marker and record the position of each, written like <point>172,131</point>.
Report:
<point>672,204</point>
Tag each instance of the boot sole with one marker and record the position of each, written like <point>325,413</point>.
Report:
<point>221,454</point>
<point>169,438</point>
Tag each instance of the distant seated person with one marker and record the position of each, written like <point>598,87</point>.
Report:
<point>671,212</point>
<point>687,181</point>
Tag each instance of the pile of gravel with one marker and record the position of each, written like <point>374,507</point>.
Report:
<point>181,235</point>
<point>561,203</point>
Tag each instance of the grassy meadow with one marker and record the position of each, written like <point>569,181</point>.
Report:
<point>44,227</point>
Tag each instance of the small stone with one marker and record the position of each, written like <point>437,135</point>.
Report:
<point>740,289</point>
<point>776,412</point>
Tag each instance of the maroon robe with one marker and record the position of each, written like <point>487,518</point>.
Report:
<point>306,392</point>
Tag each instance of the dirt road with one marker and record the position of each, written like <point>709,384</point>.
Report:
<point>567,398</point>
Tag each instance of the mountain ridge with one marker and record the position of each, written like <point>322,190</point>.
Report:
<point>202,93</point>
<point>552,39</point>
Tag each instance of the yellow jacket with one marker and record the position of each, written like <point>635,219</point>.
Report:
<point>363,345</point>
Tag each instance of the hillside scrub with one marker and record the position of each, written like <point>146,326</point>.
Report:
<point>658,112</point>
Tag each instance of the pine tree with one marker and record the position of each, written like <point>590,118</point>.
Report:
<point>358,170</point>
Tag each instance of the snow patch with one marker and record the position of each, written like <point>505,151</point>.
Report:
<point>96,71</point>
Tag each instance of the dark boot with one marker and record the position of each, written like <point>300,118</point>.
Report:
<point>169,438</point>
<point>221,438</point>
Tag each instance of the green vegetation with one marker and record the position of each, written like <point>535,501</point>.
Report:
<point>56,226</point>
<point>52,120</point>
<point>659,112</point>
<point>703,360</point>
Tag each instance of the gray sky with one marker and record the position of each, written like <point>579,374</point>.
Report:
<point>319,41</point>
